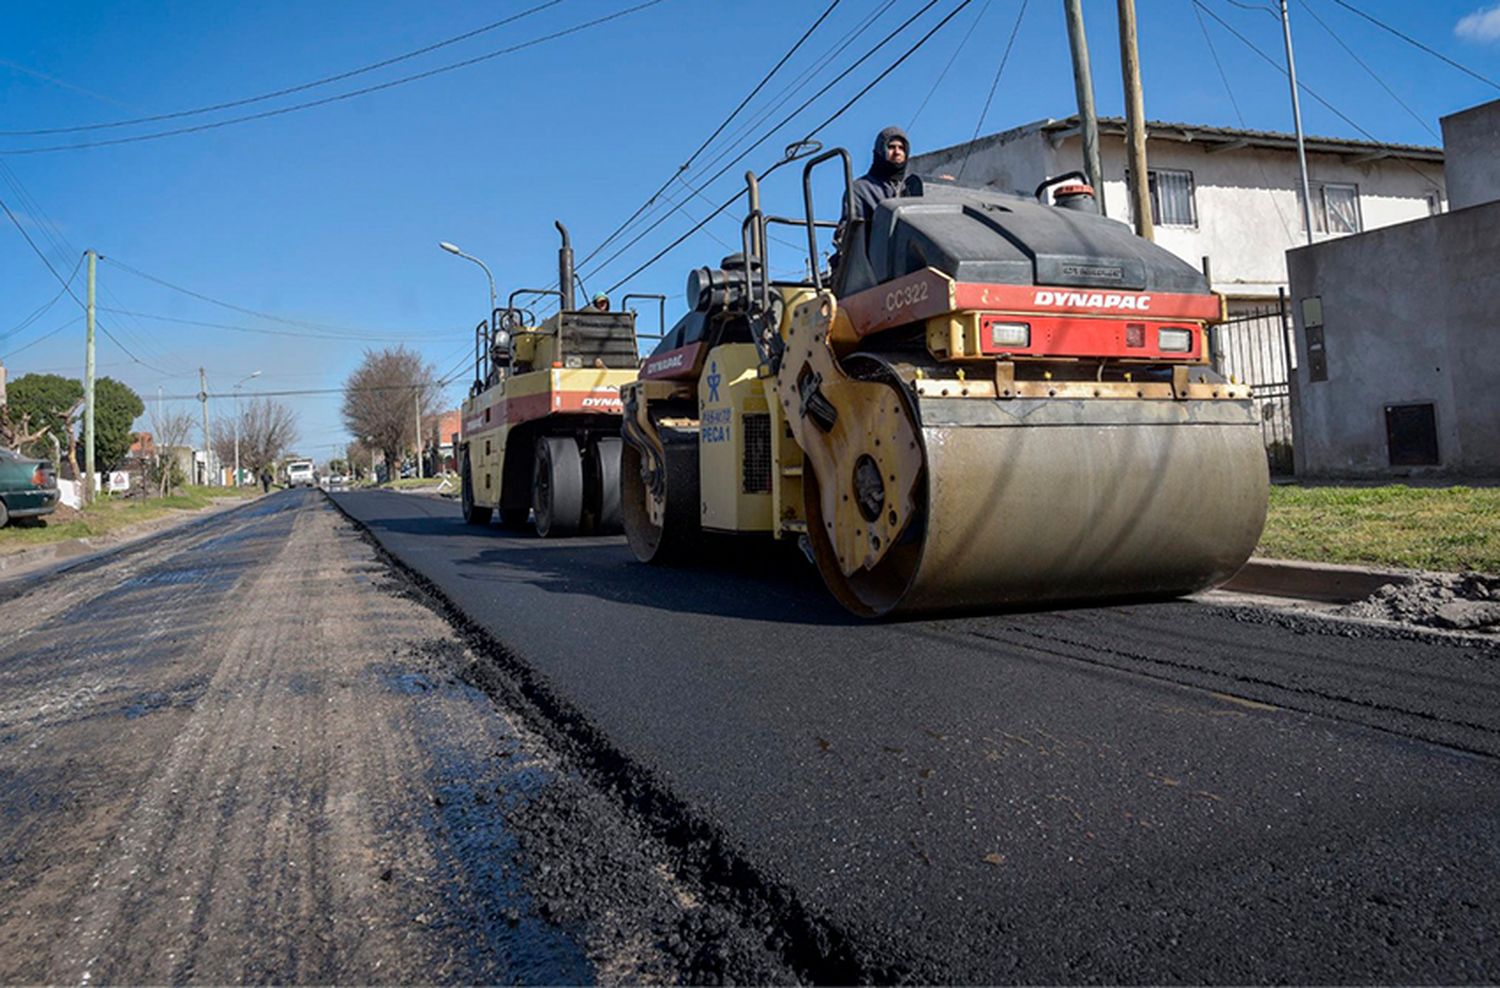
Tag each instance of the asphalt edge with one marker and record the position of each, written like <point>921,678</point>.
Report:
<point>817,950</point>
<point>1326,582</point>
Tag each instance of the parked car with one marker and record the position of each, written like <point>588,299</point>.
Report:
<point>28,488</point>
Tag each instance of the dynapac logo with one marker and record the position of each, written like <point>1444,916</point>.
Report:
<point>1093,300</point>
<point>665,363</point>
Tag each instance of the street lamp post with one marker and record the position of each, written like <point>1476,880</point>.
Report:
<point>237,425</point>
<point>453,249</point>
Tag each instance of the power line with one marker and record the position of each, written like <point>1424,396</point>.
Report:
<point>45,307</point>
<point>271,332</point>
<point>1372,73</point>
<point>452,66</point>
<point>1213,52</point>
<point>1413,41</point>
<point>349,332</point>
<point>994,84</point>
<point>951,59</point>
<point>1309,90</point>
<point>767,135</point>
<point>45,336</point>
<point>717,131</point>
<point>246,101</point>
<point>810,134</point>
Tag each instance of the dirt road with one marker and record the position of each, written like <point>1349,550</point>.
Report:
<point>251,754</point>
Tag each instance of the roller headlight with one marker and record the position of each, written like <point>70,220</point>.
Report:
<point>1174,340</point>
<point>1010,334</point>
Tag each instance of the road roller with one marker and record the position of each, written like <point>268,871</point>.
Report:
<point>988,401</point>
<point>540,429</point>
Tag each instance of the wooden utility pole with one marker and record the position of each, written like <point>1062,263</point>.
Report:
<point>1135,122</point>
<point>88,388</point>
<point>1083,82</point>
<point>208,448</point>
<point>1291,71</point>
<point>416,401</point>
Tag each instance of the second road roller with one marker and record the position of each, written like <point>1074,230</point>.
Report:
<point>989,401</point>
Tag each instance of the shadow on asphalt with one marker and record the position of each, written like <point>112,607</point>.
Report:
<point>733,577</point>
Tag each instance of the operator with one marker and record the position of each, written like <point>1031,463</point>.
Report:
<point>883,180</point>
<point>887,172</point>
<point>601,302</point>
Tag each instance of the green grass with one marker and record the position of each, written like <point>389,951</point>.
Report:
<point>1437,528</point>
<point>108,515</point>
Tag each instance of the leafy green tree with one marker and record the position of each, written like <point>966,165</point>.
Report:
<point>43,400</point>
<point>116,407</point>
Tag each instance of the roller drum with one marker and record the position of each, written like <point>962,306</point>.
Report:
<point>1031,501</point>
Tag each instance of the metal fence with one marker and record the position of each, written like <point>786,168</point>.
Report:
<point>1252,347</point>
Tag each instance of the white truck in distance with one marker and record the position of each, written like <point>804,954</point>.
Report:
<point>300,473</point>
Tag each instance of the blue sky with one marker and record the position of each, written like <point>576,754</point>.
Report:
<point>331,215</point>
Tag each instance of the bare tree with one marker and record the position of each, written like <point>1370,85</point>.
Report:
<point>384,396</point>
<point>267,431</point>
<point>169,433</point>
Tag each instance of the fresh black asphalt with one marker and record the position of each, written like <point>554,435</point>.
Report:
<point>1171,792</point>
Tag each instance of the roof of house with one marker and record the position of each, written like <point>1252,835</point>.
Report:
<point>1214,138</point>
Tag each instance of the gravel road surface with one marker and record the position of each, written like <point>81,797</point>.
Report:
<point>1155,793</point>
<point>248,751</point>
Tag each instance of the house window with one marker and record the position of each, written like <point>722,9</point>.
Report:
<point>1336,208</point>
<point>1171,197</point>
<point>1434,204</point>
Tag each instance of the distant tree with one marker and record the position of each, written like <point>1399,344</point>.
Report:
<point>268,429</point>
<point>116,407</point>
<point>40,403</point>
<point>169,433</point>
<point>384,396</point>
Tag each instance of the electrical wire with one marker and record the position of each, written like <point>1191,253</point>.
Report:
<point>783,122</point>
<point>717,130</point>
<point>809,136</point>
<point>45,336</point>
<point>324,101</point>
<point>1371,72</point>
<point>1004,60</point>
<point>1311,92</point>
<point>1414,42</point>
<point>289,90</point>
<point>1286,226</point>
<point>44,307</point>
<point>325,330</point>
<point>951,59</point>
<point>274,332</point>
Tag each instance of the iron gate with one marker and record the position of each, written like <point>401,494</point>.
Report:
<point>1252,347</point>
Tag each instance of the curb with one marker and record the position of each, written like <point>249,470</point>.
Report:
<point>1325,582</point>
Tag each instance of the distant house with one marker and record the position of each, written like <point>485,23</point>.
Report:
<point>1231,196</point>
<point>439,441</point>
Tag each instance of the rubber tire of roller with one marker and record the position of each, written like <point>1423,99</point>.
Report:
<point>680,534</point>
<point>473,513</point>
<point>557,487</point>
<point>605,498</point>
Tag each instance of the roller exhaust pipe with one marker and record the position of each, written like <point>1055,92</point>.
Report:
<point>565,268</point>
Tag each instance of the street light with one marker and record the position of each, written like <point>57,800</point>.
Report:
<point>236,390</point>
<point>453,249</point>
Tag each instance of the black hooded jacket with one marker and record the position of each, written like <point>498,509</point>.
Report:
<point>883,180</point>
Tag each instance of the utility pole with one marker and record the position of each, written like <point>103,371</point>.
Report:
<point>1135,122</point>
<point>207,446</point>
<point>88,389</point>
<point>416,400</point>
<point>1083,82</point>
<point>1291,71</point>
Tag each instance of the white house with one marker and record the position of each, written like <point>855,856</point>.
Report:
<point>1231,196</point>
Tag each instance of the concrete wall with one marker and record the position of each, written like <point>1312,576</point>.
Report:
<point>1248,205</point>
<point>1410,314</point>
<point>1471,140</point>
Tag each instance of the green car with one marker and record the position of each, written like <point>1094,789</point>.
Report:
<point>28,488</point>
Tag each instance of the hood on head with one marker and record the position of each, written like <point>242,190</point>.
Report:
<point>879,165</point>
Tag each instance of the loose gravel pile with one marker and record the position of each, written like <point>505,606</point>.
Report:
<point>1459,601</point>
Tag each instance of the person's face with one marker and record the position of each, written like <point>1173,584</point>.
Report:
<point>895,151</point>
<point>601,305</point>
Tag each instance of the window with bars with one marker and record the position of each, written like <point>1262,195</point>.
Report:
<point>1336,208</point>
<point>1172,200</point>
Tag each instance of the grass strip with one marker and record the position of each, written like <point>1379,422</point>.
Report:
<point>1435,528</point>
<point>111,514</point>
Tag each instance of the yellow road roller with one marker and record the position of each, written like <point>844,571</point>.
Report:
<point>990,401</point>
<point>540,438</point>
